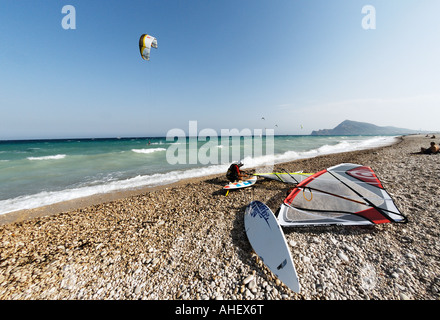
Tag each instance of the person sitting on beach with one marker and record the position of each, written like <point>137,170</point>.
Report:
<point>431,150</point>
<point>234,173</point>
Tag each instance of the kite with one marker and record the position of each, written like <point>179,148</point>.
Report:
<point>145,43</point>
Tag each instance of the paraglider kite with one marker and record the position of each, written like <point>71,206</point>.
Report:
<point>145,43</point>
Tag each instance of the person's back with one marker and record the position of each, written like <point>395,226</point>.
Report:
<point>233,172</point>
<point>434,148</point>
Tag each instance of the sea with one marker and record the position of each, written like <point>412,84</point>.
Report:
<point>36,173</point>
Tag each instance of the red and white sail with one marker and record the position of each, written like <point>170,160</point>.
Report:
<point>346,194</point>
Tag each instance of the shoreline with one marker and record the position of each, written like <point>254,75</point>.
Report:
<point>83,202</point>
<point>101,198</point>
<point>186,241</point>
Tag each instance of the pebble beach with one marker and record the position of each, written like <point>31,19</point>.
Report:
<point>187,241</point>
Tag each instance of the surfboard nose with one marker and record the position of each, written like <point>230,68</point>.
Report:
<point>269,243</point>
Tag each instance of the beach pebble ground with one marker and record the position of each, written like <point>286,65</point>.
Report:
<point>188,242</point>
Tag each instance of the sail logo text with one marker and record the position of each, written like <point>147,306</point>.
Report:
<point>261,213</point>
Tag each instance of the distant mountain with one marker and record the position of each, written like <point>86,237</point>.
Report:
<point>349,127</point>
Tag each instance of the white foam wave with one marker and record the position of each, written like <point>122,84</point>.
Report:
<point>48,198</point>
<point>55,157</point>
<point>148,150</point>
<point>342,146</point>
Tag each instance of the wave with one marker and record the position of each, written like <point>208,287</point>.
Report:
<point>148,150</point>
<point>342,146</point>
<point>47,198</point>
<point>99,187</point>
<point>55,157</point>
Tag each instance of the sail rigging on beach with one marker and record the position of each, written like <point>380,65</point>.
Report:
<point>285,177</point>
<point>346,194</point>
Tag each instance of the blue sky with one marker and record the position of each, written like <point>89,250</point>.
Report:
<point>302,65</point>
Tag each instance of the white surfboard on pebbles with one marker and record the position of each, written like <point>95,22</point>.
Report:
<point>241,184</point>
<point>268,241</point>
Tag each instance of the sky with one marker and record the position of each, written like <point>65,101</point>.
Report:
<point>300,65</point>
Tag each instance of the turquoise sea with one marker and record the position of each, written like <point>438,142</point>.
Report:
<point>35,173</point>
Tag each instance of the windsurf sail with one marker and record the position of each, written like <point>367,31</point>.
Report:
<point>347,194</point>
<point>285,177</point>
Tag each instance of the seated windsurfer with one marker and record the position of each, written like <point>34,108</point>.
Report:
<point>431,150</point>
<point>234,173</point>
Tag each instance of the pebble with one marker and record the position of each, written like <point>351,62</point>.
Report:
<point>404,296</point>
<point>180,244</point>
<point>252,284</point>
<point>343,256</point>
<point>410,255</point>
<point>138,289</point>
<point>292,243</point>
<point>305,259</point>
<point>248,279</point>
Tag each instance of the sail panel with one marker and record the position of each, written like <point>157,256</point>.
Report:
<point>343,194</point>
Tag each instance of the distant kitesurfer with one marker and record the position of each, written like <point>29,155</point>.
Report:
<point>234,173</point>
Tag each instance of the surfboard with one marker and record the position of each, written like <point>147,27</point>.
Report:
<point>241,184</point>
<point>269,243</point>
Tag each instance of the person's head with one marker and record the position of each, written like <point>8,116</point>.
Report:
<point>432,143</point>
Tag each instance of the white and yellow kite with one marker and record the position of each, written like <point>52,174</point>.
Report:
<point>145,43</point>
